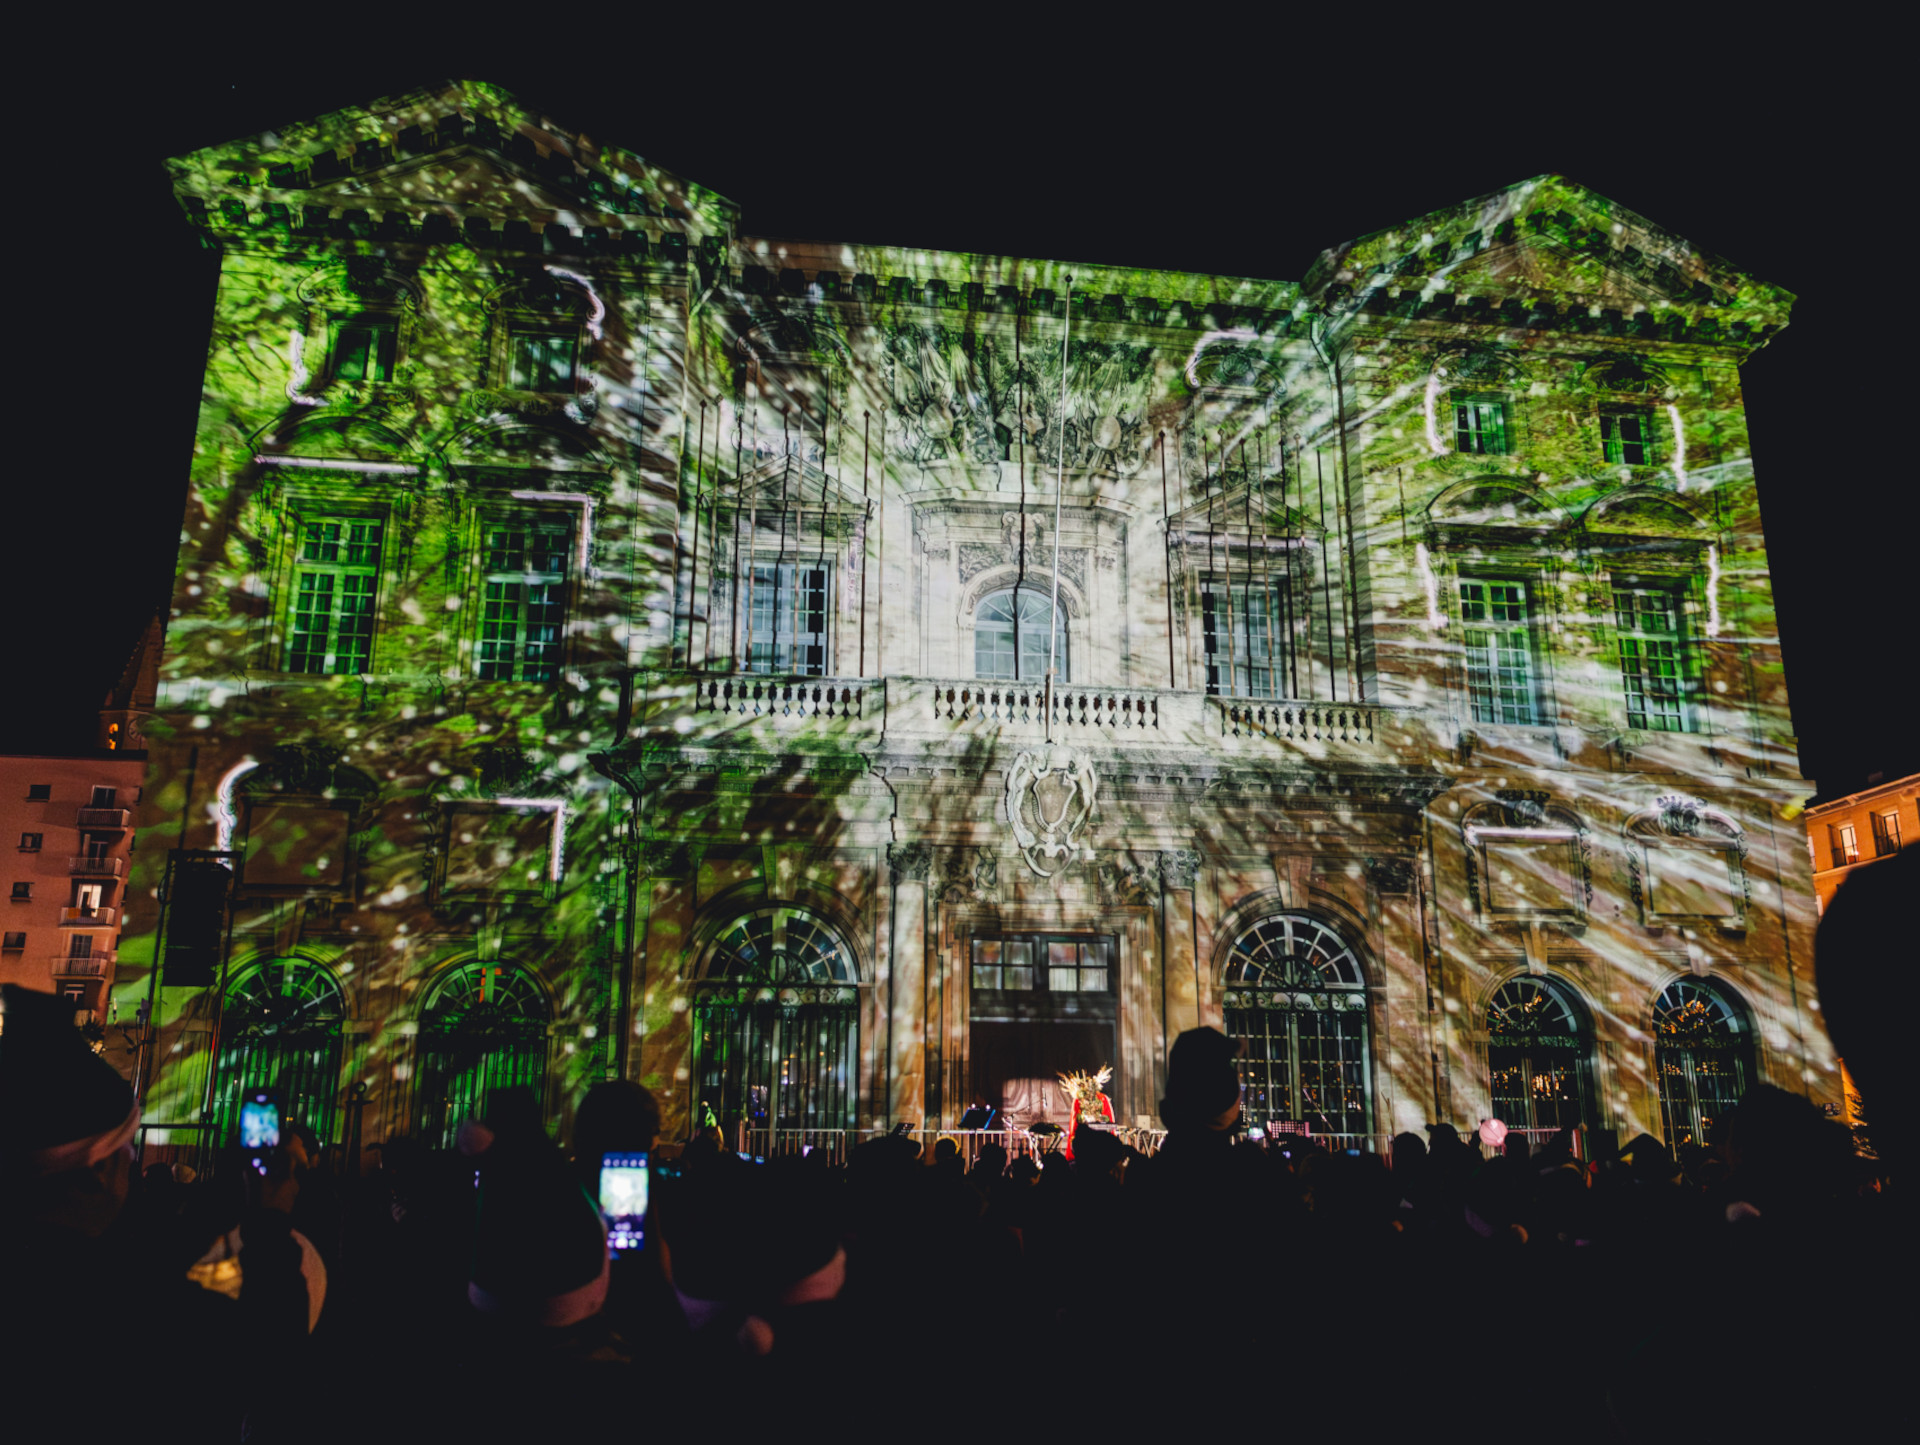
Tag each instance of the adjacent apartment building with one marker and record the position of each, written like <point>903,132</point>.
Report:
<point>1847,833</point>
<point>67,823</point>
<point>836,684</point>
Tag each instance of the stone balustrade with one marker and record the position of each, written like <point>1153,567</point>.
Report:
<point>835,712</point>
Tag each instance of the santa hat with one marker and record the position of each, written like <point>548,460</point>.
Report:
<point>66,1107</point>
<point>540,1247</point>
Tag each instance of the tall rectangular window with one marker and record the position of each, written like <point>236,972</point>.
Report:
<point>363,349</point>
<point>523,607</point>
<point>789,619</point>
<point>1626,437</point>
<point>1244,628</point>
<point>1480,425</point>
<point>1886,833</point>
<point>1844,844</point>
<point>336,578</point>
<point>1499,651</point>
<point>1652,657</point>
<point>542,360</point>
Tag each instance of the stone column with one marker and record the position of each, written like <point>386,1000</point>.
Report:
<point>1178,871</point>
<point>907,985</point>
<point>660,1046</point>
<point>1402,1062</point>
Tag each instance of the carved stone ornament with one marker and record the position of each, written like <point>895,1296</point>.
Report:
<point>1391,875</point>
<point>1049,804</point>
<point>1179,867</point>
<point>910,860</point>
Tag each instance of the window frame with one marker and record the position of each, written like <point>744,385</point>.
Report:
<point>320,512</point>
<point>39,841</point>
<point>765,560</point>
<point>1094,953</point>
<point>1524,629</point>
<point>565,527</point>
<point>1885,824</point>
<point>381,322</point>
<point>1613,446</point>
<point>1464,438</point>
<point>1641,638</point>
<point>1844,841</point>
<point>1278,622</point>
<point>1023,631</point>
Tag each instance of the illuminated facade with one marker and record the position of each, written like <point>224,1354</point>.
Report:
<point>1859,829</point>
<point>608,642</point>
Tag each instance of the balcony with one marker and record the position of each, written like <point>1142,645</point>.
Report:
<point>829,714</point>
<point>104,818</point>
<point>81,965</point>
<point>87,917</point>
<point>96,867</point>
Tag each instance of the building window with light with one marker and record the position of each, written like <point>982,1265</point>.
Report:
<point>1295,1002</point>
<point>1703,1055</point>
<point>1886,833</point>
<point>1652,656</point>
<point>523,598</point>
<point>336,581</point>
<point>1538,1051</point>
<point>1843,844</point>
<point>1499,645</point>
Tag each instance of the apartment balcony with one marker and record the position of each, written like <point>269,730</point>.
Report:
<point>87,917</point>
<point>827,714</point>
<point>105,818</point>
<point>81,965</point>
<point>96,867</point>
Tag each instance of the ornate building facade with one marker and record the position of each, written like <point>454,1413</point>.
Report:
<point>838,685</point>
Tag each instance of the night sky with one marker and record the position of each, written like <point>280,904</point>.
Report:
<point>1215,148</point>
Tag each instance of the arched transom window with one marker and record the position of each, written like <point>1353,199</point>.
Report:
<point>484,1029</point>
<point>282,1030</point>
<point>1296,1001</point>
<point>1010,635</point>
<point>1703,1054</point>
<point>1537,1058</point>
<point>776,1029</point>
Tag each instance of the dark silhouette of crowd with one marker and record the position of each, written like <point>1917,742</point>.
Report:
<point>1746,1288</point>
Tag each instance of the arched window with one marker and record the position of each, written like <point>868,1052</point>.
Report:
<point>1296,1000</point>
<point>484,1028</point>
<point>1538,1046</point>
<point>777,1025</point>
<point>281,1029</point>
<point>1002,649</point>
<point>1703,1053</point>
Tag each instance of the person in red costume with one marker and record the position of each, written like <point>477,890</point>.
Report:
<point>1088,1102</point>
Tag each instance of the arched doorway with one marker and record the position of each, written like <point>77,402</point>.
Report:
<point>1538,1052</point>
<point>1703,1054</point>
<point>777,1025</point>
<point>282,1029</point>
<point>484,1028</point>
<point>1297,1003</point>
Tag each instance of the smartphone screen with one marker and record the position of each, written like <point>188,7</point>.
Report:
<point>623,1199</point>
<point>260,1122</point>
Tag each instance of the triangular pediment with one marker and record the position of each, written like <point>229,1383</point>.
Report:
<point>462,148</point>
<point>465,179</point>
<point>1545,238</point>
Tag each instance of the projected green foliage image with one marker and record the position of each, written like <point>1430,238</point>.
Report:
<point>608,643</point>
